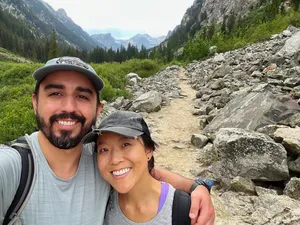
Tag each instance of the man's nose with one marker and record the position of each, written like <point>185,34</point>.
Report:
<point>69,104</point>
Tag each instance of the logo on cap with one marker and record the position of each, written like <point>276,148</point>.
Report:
<point>72,61</point>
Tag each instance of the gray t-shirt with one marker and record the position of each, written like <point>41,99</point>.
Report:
<point>80,200</point>
<point>114,215</point>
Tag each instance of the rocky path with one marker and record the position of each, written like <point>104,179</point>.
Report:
<point>172,127</point>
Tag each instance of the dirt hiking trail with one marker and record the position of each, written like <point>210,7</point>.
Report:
<point>171,128</point>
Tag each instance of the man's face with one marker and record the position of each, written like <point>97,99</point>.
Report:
<point>65,108</point>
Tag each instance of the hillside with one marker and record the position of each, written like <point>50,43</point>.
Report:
<point>42,19</point>
<point>204,13</point>
<point>226,25</point>
<point>6,55</point>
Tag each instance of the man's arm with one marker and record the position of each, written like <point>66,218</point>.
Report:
<point>10,171</point>
<point>202,210</point>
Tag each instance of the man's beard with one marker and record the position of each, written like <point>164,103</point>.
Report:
<point>64,141</point>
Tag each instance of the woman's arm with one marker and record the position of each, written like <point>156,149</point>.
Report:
<point>202,210</point>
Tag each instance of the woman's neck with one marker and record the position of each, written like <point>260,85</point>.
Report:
<point>141,203</point>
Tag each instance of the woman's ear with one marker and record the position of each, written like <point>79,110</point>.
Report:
<point>149,153</point>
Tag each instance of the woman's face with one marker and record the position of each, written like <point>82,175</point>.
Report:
<point>122,161</point>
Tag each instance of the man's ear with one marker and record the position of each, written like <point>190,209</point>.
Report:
<point>99,109</point>
<point>34,102</point>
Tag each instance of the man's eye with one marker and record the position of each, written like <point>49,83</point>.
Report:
<point>54,94</point>
<point>83,97</point>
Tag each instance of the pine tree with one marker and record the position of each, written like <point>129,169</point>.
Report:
<point>53,46</point>
<point>143,52</point>
<point>231,22</point>
<point>223,26</point>
<point>295,4</point>
<point>211,31</point>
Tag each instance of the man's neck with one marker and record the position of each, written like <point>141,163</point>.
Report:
<point>64,163</point>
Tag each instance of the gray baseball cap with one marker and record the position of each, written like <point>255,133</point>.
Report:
<point>125,123</point>
<point>68,63</point>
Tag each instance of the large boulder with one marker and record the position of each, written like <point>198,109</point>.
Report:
<point>292,46</point>
<point>267,209</point>
<point>253,109</point>
<point>250,155</point>
<point>148,102</point>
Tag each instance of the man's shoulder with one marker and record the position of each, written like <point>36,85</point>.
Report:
<point>10,159</point>
<point>8,150</point>
<point>9,154</point>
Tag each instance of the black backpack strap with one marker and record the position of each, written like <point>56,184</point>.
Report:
<point>181,208</point>
<point>26,179</point>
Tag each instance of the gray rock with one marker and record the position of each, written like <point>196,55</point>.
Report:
<point>294,165</point>
<point>292,45</point>
<point>206,155</point>
<point>249,155</point>
<point>148,102</point>
<point>240,184</point>
<point>265,191</point>
<point>290,139</point>
<point>252,110</point>
<point>199,140</point>
<point>292,189</point>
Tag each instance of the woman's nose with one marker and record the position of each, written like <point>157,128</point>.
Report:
<point>116,156</point>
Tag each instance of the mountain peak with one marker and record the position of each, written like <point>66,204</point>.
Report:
<point>63,13</point>
<point>142,35</point>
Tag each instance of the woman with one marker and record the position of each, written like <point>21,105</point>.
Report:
<point>125,158</point>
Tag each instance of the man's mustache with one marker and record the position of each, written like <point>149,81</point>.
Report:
<point>72,116</point>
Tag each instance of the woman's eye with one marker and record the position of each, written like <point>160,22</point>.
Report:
<point>126,144</point>
<point>102,150</point>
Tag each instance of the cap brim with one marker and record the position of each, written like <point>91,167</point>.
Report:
<point>124,131</point>
<point>42,72</point>
<point>90,137</point>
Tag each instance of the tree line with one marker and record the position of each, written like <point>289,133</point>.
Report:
<point>17,37</point>
<point>194,39</point>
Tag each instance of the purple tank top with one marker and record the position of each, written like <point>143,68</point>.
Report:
<point>163,195</point>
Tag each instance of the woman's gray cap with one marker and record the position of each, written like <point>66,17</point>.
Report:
<point>68,63</point>
<point>125,123</point>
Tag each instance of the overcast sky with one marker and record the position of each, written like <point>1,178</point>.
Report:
<point>155,17</point>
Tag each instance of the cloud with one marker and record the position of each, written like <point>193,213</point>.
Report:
<point>155,17</point>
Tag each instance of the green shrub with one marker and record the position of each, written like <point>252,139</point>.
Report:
<point>17,74</point>
<point>15,92</point>
<point>16,118</point>
<point>17,84</point>
<point>257,26</point>
<point>108,93</point>
<point>198,49</point>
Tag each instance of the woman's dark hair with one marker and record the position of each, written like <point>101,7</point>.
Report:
<point>149,143</point>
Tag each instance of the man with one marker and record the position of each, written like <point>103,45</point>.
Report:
<point>67,187</point>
